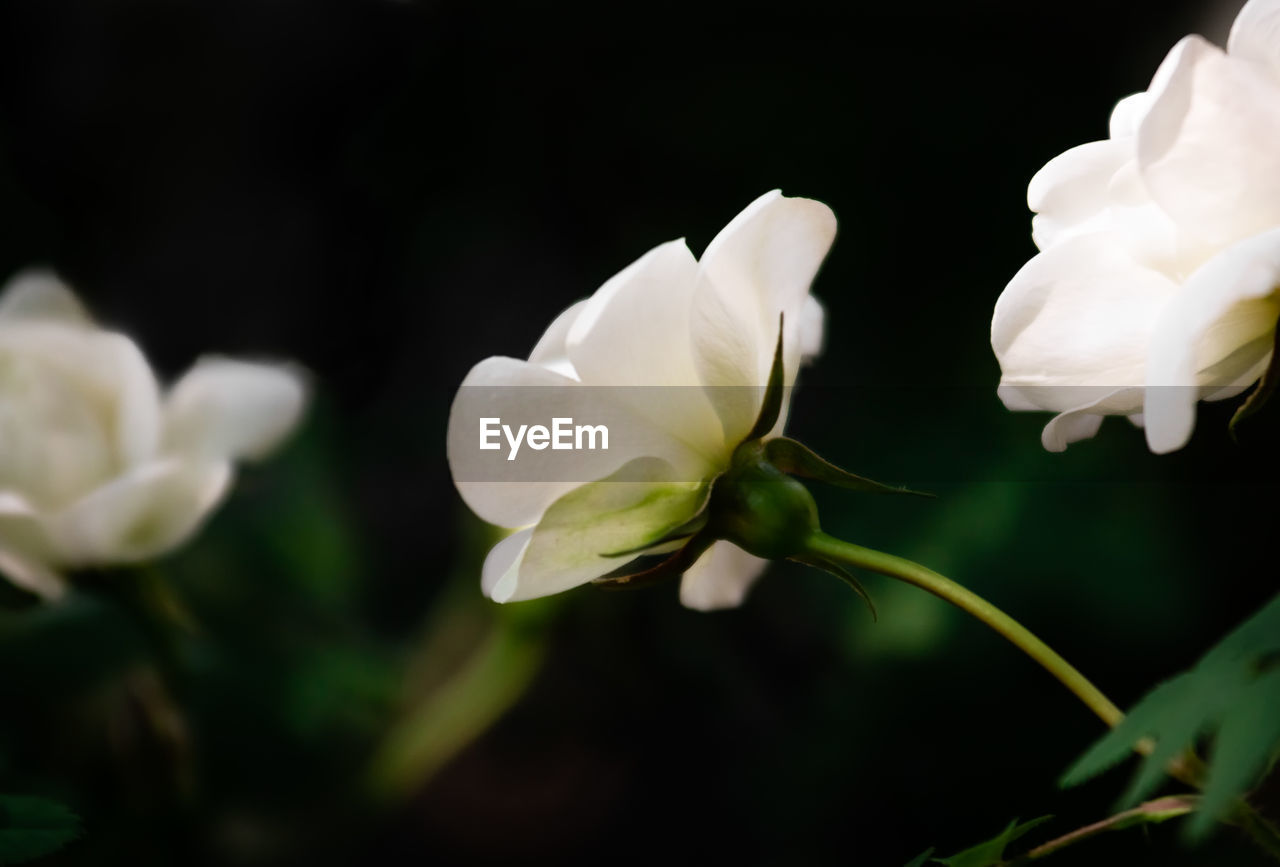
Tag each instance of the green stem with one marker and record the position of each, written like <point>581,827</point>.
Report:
<point>1159,810</point>
<point>1187,768</point>
<point>944,588</point>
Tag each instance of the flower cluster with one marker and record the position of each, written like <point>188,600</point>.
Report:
<point>98,466</point>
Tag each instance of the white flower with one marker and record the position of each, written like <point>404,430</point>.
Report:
<point>704,328</point>
<point>1156,284</point>
<point>97,468</point>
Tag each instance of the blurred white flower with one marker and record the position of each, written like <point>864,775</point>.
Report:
<point>707,328</point>
<point>97,466</point>
<point>1156,284</point>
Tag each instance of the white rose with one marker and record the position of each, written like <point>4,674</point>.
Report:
<point>97,468</point>
<point>705,329</point>
<point>1156,284</point>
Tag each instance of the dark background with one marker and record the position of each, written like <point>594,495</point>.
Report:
<point>389,192</point>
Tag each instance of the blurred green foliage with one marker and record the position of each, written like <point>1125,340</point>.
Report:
<point>33,827</point>
<point>235,690</point>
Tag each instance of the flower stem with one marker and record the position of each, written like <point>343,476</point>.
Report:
<point>1187,768</point>
<point>944,588</point>
<point>1158,810</point>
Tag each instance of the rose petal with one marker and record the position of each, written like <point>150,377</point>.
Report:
<point>26,551</point>
<point>37,294</point>
<point>633,334</point>
<point>1226,311</point>
<point>1255,35</point>
<point>634,330</point>
<point>137,402</point>
<point>515,493</point>
<point>1076,317</point>
<point>109,368</point>
<point>813,321</point>
<point>1086,191</point>
<point>224,408</point>
<point>1128,115</point>
<point>721,578</point>
<point>501,566</point>
<point>1082,422</point>
<point>140,515</point>
<point>759,266</point>
<point>516,391</point>
<point>1206,146</point>
<point>1149,234</point>
<point>1069,195</point>
<point>551,351</point>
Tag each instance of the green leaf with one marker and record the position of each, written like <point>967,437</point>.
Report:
<point>1247,738</point>
<point>1231,695</point>
<point>34,827</point>
<point>919,860</point>
<point>1173,714</point>
<point>771,406</point>
<point>796,459</point>
<point>991,853</point>
<point>1262,393</point>
<point>646,571</point>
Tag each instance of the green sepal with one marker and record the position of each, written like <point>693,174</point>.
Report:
<point>797,459</point>
<point>833,568</point>
<point>1261,393</point>
<point>687,530</point>
<point>991,853</point>
<point>643,572</point>
<point>919,860</point>
<point>771,405</point>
